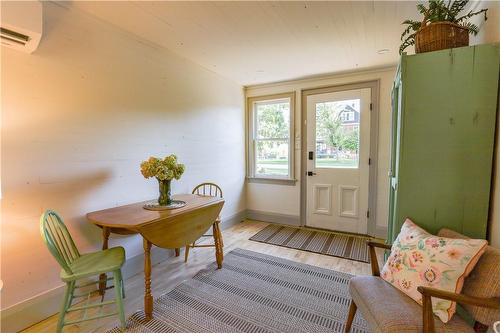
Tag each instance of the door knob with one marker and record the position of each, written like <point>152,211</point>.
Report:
<point>310,173</point>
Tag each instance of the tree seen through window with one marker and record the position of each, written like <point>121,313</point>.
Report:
<point>272,124</point>
<point>337,134</point>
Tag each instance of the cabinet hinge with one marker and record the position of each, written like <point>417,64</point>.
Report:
<point>369,161</point>
<point>367,214</point>
<point>371,106</point>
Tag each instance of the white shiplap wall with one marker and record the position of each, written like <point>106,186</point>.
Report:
<point>78,117</point>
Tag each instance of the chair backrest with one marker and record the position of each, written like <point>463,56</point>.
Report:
<point>483,281</point>
<point>57,238</point>
<point>209,189</point>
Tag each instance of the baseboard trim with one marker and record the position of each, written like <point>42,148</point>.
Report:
<point>381,232</point>
<point>36,309</point>
<point>273,217</point>
<point>234,219</point>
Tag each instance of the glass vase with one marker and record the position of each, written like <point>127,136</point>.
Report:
<point>164,186</point>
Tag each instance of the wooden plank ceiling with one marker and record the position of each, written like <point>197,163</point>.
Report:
<point>259,42</point>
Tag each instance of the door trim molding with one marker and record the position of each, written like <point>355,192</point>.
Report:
<point>374,85</point>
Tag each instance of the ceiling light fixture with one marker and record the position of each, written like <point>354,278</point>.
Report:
<point>383,51</point>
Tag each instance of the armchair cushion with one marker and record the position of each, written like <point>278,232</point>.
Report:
<point>483,281</point>
<point>388,310</point>
<point>421,259</point>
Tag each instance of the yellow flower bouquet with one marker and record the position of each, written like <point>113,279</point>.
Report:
<point>164,170</point>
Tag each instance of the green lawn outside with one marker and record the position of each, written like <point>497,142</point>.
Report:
<point>277,161</point>
<point>279,167</point>
<point>331,163</point>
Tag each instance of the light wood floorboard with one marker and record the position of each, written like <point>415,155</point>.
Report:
<point>171,272</point>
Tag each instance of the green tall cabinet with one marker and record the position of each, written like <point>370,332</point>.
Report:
<point>443,136</point>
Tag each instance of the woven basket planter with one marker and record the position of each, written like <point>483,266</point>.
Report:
<point>439,36</point>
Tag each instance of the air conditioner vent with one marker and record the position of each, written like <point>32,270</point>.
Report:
<point>10,36</point>
<point>21,25</point>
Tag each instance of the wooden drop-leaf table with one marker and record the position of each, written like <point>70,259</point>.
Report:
<point>171,229</point>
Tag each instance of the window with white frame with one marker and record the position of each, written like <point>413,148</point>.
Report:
<point>270,132</point>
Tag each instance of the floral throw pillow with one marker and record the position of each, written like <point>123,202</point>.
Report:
<point>421,259</point>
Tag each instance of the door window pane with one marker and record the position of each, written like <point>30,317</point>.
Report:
<point>272,158</point>
<point>337,134</point>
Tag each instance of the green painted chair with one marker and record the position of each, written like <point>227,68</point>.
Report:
<point>76,266</point>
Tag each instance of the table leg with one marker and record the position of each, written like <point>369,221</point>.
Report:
<point>219,253</point>
<point>177,252</point>
<point>148,298</point>
<point>221,239</point>
<point>103,278</point>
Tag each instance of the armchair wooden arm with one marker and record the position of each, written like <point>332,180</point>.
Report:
<point>428,315</point>
<point>373,255</point>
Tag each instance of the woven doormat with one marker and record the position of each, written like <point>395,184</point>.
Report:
<point>323,242</point>
<point>253,293</point>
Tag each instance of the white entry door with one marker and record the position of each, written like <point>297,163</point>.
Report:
<point>338,147</point>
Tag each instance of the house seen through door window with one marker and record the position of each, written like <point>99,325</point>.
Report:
<point>337,134</point>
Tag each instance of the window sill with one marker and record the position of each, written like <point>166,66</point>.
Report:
<point>274,181</point>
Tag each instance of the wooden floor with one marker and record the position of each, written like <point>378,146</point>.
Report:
<point>171,272</point>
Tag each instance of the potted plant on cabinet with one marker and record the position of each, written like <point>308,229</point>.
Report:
<point>443,26</point>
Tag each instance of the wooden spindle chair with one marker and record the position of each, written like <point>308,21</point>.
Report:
<point>213,190</point>
<point>76,266</point>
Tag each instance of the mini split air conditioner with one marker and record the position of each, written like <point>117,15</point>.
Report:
<point>21,25</point>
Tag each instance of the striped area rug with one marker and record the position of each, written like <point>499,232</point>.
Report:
<point>253,293</point>
<point>332,244</point>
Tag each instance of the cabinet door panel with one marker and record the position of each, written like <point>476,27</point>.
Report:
<point>447,136</point>
<point>481,120</point>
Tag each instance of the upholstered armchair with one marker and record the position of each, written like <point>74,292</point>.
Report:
<point>388,310</point>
